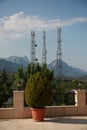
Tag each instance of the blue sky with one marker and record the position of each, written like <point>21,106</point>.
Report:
<point>18,17</point>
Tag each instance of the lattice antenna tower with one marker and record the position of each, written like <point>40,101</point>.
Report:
<point>44,51</point>
<point>59,53</point>
<point>33,50</point>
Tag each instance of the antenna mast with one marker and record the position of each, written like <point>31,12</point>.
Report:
<point>44,48</point>
<point>33,45</point>
<point>59,53</point>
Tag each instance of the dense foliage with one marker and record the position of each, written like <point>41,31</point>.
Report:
<point>34,68</point>
<point>62,86</point>
<point>5,88</point>
<point>17,81</point>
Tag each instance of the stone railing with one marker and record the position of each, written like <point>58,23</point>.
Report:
<point>19,111</point>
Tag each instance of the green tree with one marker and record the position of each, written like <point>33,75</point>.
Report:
<point>32,69</point>
<point>27,72</point>
<point>46,72</point>
<point>18,84</point>
<point>20,73</point>
<point>5,93</point>
<point>4,76</point>
<point>59,93</point>
<point>37,68</point>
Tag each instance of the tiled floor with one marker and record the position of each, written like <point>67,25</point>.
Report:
<point>58,123</point>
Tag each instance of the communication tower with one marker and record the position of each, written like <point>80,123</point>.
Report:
<point>59,53</point>
<point>33,50</point>
<point>44,53</point>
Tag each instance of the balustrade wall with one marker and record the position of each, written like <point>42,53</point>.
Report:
<point>19,111</point>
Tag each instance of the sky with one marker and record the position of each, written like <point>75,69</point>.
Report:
<point>19,17</point>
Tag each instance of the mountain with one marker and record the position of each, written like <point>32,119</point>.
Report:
<point>23,61</point>
<point>67,70</point>
<point>84,77</point>
<point>8,66</point>
<point>12,63</point>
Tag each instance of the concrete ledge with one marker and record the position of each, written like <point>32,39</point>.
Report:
<point>6,113</point>
<point>55,111</point>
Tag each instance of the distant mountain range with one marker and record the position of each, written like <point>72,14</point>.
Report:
<point>8,66</point>
<point>23,61</point>
<point>67,70</point>
<point>12,63</point>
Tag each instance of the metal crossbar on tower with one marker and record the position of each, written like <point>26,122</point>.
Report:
<point>44,48</point>
<point>59,53</point>
<point>33,45</point>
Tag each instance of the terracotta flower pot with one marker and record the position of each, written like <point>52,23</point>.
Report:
<point>38,114</point>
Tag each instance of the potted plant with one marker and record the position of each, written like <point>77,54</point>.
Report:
<point>38,94</point>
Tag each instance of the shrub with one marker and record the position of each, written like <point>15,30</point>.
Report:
<point>38,91</point>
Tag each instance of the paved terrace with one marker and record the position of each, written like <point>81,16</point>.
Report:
<point>58,123</point>
<point>57,118</point>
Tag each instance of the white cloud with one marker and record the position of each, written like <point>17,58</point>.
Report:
<point>16,26</point>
